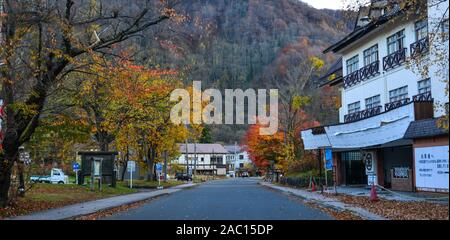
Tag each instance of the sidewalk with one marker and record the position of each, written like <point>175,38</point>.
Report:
<point>326,202</point>
<point>98,205</point>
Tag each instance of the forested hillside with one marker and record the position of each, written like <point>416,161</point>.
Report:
<point>242,43</point>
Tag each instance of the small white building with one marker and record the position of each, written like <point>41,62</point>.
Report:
<point>203,159</point>
<point>237,158</point>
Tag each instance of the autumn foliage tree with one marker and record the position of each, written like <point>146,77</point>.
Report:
<point>45,42</point>
<point>265,151</point>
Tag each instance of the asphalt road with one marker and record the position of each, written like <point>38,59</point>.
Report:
<point>231,199</point>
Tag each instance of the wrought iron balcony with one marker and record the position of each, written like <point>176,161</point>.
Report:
<point>423,97</point>
<point>396,104</point>
<point>367,113</point>
<point>369,71</point>
<point>420,47</point>
<point>351,79</point>
<point>394,59</point>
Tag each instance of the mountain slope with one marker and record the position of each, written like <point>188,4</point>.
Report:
<point>231,43</point>
<point>241,44</point>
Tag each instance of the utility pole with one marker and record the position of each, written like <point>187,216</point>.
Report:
<point>187,152</point>
<point>165,166</point>
<point>235,158</point>
<point>195,158</point>
<point>319,158</point>
<point>187,157</point>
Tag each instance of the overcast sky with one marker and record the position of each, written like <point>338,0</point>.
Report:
<point>332,4</point>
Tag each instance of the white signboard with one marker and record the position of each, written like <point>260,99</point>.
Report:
<point>371,167</point>
<point>97,166</point>
<point>131,166</point>
<point>432,167</point>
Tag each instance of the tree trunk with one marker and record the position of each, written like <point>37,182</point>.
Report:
<point>7,159</point>
<point>151,156</point>
<point>125,164</point>
<point>5,181</point>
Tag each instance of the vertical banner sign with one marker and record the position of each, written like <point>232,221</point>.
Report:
<point>431,165</point>
<point>159,171</point>
<point>328,159</point>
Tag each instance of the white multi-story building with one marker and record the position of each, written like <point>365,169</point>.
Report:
<point>202,158</point>
<point>393,83</point>
<point>237,158</point>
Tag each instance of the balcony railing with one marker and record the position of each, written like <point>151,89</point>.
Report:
<point>351,79</point>
<point>396,104</point>
<point>394,59</point>
<point>369,71</point>
<point>420,47</point>
<point>367,113</point>
<point>423,97</point>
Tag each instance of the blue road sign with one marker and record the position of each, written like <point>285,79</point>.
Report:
<point>328,159</point>
<point>158,167</point>
<point>76,166</point>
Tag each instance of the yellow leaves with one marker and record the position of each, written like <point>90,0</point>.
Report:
<point>317,63</point>
<point>332,77</point>
<point>26,110</point>
<point>300,101</point>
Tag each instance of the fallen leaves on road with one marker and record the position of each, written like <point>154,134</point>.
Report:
<point>47,196</point>
<point>398,210</point>
<point>338,215</point>
<point>112,211</point>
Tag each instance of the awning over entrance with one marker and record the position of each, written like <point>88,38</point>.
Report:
<point>377,130</point>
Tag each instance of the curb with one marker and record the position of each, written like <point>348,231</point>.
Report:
<point>82,209</point>
<point>326,202</point>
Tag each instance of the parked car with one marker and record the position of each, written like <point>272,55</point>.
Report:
<point>56,176</point>
<point>231,174</point>
<point>183,177</point>
<point>245,174</point>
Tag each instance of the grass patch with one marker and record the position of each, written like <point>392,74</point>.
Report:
<point>46,196</point>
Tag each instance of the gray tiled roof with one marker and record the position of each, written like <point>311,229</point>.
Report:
<point>424,128</point>
<point>203,148</point>
<point>233,148</point>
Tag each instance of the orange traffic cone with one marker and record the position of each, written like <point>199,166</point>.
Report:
<point>313,187</point>
<point>373,194</point>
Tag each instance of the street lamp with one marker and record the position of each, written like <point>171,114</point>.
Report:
<point>186,124</point>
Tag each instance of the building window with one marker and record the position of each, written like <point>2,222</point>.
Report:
<point>424,86</point>
<point>398,94</point>
<point>241,165</point>
<point>373,102</point>
<point>396,42</point>
<point>354,107</point>
<point>421,28</point>
<point>351,156</point>
<point>371,55</point>
<point>352,64</point>
<point>202,159</point>
<point>241,157</point>
<point>216,160</point>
